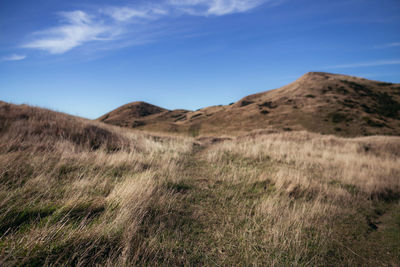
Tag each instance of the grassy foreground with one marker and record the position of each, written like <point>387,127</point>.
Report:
<point>76,192</point>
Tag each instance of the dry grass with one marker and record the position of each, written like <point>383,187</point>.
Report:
<point>311,162</point>
<point>316,102</point>
<point>76,192</point>
<point>312,199</point>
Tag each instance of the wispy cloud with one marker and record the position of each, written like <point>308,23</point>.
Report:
<point>79,28</point>
<point>365,64</point>
<point>110,23</point>
<point>215,7</point>
<point>124,14</point>
<point>389,45</point>
<point>14,57</point>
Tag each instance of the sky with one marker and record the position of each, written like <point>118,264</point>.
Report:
<point>88,57</point>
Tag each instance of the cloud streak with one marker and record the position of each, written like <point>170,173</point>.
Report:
<point>80,28</point>
<point>215,7</point>
<point>14,57</point>
<point>366,64</point>
<point>126,14</point>
<point>390,45</point>
<point>110,23</point>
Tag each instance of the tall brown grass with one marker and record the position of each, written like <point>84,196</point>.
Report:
<point>75,191</point>
<point>310,161</point>
<point>311,199</point>
<point>78,192</point>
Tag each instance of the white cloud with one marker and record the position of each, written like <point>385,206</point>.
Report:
<point>215,7</point>
<point>79,29</point>
<point>76,17</point>
<point>125,13</point>
<point>109,23</point>
<point>14,57</point>
<point>190,7</point>
<point>366,64</point>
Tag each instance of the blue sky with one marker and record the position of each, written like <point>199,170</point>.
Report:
<point>88,57</point>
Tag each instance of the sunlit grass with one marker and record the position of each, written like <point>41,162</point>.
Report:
<point>76,192</point>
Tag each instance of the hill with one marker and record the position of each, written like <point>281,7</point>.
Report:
<point>317,102</point>
<point>143,115</point>
<point>75,192</point>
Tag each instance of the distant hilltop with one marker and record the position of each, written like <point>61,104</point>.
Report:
<point>318,102</point>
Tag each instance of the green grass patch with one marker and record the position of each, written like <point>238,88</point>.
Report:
<point>14,219</point>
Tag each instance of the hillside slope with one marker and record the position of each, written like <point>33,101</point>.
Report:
<point>142,114</point>
<point>75,192</point>
<point>318,102</point>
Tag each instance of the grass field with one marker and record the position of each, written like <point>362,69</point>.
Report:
<point>77,192</point>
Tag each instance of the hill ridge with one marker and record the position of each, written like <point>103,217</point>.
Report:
<point>317,101</point>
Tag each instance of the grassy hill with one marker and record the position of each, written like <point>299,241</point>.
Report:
<point>80,192</point>
<point>317,102</point>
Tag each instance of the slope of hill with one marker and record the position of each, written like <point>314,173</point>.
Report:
<point>143,115</point>
<point>75,192</point>
<point>318,102</point>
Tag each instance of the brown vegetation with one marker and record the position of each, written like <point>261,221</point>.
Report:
<point>317,102</point>
<point>77,192</point>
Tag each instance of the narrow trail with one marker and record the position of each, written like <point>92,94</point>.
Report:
<point>211,216</point>
<point>198,215</point>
